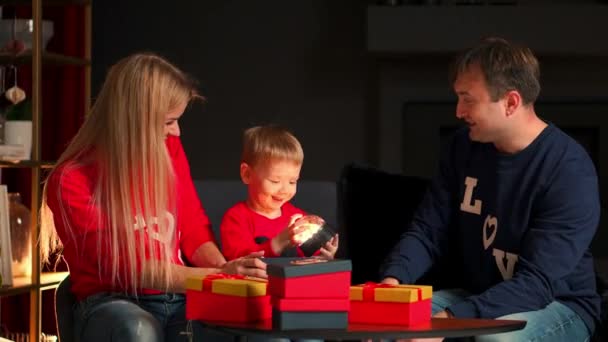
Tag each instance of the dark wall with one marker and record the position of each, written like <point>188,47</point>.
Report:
<point>306,65</point>
<point>301,64</point>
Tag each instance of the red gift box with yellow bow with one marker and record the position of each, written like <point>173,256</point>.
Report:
<point>374,303</point>
<point>227,298</point>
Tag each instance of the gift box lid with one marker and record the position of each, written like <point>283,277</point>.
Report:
<point>298,267</point>
<point>390,293</point>
<point>233,285</point>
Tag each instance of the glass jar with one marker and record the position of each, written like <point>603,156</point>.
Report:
<point>21,230</point>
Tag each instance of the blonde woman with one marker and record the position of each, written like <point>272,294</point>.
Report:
<point>122,204</point>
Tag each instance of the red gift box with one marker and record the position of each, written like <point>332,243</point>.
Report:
<point>312,304</point>
<point>330,285</point>
<point>228,298</point>
<point>308,278</point>
<point>374,303</point>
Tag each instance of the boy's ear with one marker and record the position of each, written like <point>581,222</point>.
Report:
<point>245,173</point>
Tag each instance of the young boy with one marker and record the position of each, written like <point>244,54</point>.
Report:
<point>270,167</point>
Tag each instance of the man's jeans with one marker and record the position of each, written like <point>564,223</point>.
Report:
<point>555,323</point>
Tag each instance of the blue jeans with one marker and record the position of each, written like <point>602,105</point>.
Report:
<point>119,317</point>
<point>556,322</point>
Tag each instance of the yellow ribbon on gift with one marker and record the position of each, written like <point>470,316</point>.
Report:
<point>228,285</point>
<point>390,293</point>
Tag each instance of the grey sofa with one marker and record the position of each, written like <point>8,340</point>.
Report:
<point>315,197</point>
<point>367,206</point>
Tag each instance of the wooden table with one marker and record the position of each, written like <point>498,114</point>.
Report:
<point>437,327</point>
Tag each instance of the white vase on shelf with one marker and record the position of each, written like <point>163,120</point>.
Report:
<point>19,132</point>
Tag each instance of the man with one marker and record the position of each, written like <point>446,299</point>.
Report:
<point>515,203</point>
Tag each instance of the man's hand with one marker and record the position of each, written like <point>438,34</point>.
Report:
<point>250,265</point>
<point>390,281</point>
<point>443,314</point>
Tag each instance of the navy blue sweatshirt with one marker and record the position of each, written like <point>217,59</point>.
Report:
<point>523,225</point>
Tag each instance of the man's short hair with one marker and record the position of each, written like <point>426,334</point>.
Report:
<point>505,66</point>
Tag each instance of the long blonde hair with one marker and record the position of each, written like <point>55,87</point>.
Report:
<point>124,136</point>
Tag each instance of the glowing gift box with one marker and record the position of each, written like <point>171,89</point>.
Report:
<point>314,234</point>
<point>375,303</point>
<point>227,298</point>
<point>312,277</point>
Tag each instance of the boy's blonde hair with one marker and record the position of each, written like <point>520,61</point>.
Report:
<point>264,143</point>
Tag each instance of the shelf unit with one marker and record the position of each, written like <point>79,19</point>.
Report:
<point>26,164</point>
<point>48,280</point>
<point>37,57</point>
<point>47,58</point>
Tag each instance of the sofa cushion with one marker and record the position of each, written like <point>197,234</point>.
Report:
<point>375,209</point>
<point>217,196</point>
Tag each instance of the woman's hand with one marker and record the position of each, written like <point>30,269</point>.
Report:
<point>331,247</point>
<point>250,265</point>
<point>208,255</point>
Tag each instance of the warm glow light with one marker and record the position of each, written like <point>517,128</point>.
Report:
<point>308,231</point>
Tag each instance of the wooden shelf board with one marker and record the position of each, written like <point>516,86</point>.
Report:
<point>26,164</point>
<point>20,285</point>
<point>45,2</point>
<point>50,58</point>
<point>48,280</point>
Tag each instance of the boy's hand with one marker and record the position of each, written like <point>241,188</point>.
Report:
<point>331,247</point>
<point>286,237</point>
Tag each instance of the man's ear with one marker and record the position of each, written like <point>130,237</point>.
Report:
<point>512,102</point>
<point>245,173</point>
